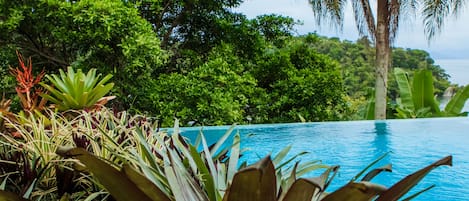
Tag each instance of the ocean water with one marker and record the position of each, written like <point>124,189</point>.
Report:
<point>458,69</point>
<point>412,144</point>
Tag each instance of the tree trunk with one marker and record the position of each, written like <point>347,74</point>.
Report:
<point>382,58</point>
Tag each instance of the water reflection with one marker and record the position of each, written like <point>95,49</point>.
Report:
<point>381,141</point>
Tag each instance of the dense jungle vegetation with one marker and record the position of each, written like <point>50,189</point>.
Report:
<point>200,61</point>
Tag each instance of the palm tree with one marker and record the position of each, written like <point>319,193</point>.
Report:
<point>383,30</point>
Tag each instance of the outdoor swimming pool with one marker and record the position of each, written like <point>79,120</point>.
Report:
<point>353,145</point>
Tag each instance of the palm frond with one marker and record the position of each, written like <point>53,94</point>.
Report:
<point>394,14</point>
<point>364,18</point>
<point>326,11</point>
<point>435,12</point>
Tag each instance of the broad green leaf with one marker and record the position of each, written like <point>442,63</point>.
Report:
<point>58,83</point>
<point>50,98</point>
<point>84,99</point>
<point>405,89</point>
<point>204,171</point>
<point>403,186</point>
<point>369,113</point>
<point>457,102</point>
<point>98,92</point>
<point>422,91</point>
<point>91,79</point>
<point>58,95</point>
<point>79,88</point>
<point>116,182</point>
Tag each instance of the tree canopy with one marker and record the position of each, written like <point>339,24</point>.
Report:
<point>200,61</point>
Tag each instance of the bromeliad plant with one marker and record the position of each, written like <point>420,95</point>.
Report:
<point>183,174</point>
<point>118,140</point>
<point>128,159</point>
<point>27,89</point>
<point>77,90</point>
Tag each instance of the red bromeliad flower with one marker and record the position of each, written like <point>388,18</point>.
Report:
<point>26,82</point>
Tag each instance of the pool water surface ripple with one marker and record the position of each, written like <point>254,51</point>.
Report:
<point>412,144</point>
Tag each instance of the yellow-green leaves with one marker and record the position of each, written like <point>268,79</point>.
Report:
<point>76,90</point>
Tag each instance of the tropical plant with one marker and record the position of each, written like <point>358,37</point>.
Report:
<point>456,103</point>
<point>27,89</point>
<point>29,167</point>
<point>118,139</point>
<point>77,90</point>
<point>300,82</point>
<point>417,98</point>
<point>28,163</point>
<point>218,92</point>
<point>157,166</point>
<point>383,29</point>
<point>109,34</point>
<point>255,182</point>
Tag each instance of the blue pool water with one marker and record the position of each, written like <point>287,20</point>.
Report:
<point>412,144</point>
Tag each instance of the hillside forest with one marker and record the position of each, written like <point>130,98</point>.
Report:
<point>201,62</point>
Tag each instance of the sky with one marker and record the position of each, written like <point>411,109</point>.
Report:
<point>452,43</point>
<point>450,48</point>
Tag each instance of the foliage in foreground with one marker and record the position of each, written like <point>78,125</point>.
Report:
<point>120,155</point>
<point>255,182</point>
<point>31,169</point>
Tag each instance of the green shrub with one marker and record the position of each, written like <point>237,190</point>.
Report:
<point>302,84</point>
<point>218,92</point>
